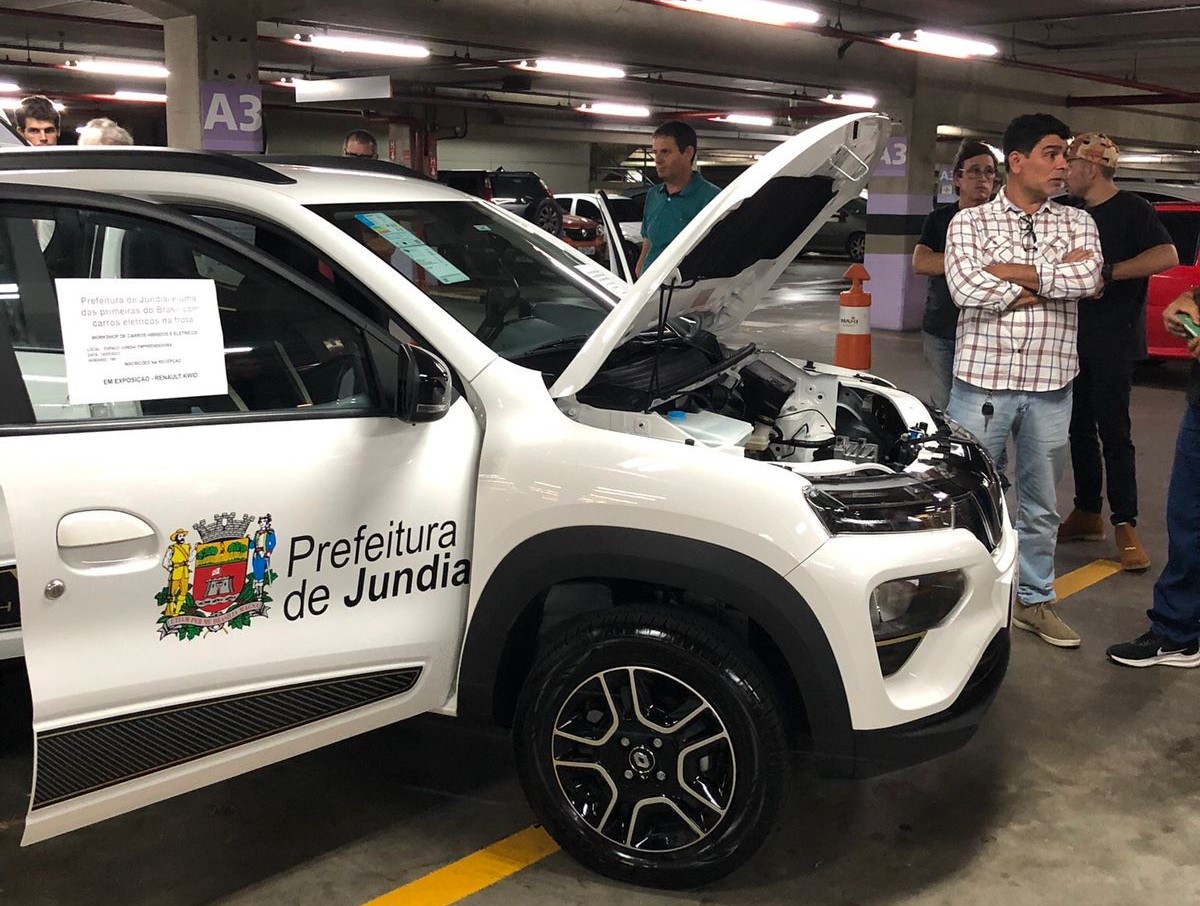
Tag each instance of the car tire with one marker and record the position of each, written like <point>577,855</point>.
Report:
<point>602,765</point>
<point>546,214</point>
<point>856,246</point>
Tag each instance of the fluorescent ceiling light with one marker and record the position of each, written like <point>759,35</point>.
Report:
<point>14,103</point>
<point>570,68</point>
<point>129,68</point>
<point>146,97</point>
<point>851,99</point>
<point>363,45</point>
<point>942,45</point>
<point>744,119</point>
<point>766,12</point>
<point>9,87</point>
<point>604,109</point>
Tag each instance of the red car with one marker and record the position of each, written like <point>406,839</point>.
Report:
<point>1182,220</point>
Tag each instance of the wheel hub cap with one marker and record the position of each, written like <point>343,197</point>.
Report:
<point>644,759</point>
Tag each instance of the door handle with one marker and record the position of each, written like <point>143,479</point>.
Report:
<point>88,528</point>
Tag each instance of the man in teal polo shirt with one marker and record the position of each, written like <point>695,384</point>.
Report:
<point>671,205</point>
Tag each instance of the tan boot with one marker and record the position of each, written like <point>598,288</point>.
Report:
<point>1082,526</point>
<point>1044,620</point>
<point>1133,556</point>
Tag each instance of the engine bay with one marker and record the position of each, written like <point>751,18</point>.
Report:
<point>755,403</point>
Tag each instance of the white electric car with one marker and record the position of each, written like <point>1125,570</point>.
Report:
<point>289,452</point>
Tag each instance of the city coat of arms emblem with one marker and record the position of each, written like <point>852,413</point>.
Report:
<point>219,582</point>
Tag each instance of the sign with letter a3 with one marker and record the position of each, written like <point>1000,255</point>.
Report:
<point>231,117</point>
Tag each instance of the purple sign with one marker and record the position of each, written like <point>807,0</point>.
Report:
<point>894,159</point>
<point>231,117</point>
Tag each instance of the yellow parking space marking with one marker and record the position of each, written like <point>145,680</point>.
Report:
<point>473,873</point>
<point>1084,577</point>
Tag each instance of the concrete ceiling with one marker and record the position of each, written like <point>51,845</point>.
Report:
<point>1124,56</point>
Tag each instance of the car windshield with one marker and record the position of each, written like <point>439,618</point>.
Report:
<point>506,185</point>
<point>516,289</point>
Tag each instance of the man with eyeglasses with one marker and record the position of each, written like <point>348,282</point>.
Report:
<point>1017,267</point>
<point>360,143</point>
<point>1135,245</point>
<point>974,178</point>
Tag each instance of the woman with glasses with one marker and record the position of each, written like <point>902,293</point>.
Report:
<point>974,180</point>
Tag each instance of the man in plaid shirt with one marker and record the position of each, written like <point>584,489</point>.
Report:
<point>1016,267</point>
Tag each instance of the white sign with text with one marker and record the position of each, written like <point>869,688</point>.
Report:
<point>127,340</point>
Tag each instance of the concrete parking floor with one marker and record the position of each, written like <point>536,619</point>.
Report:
<point>1081,787</point>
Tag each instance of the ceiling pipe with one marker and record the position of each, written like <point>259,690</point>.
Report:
<point>1124,100</point>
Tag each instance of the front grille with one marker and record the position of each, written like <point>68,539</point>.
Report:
<point>978,514</point>
<point>581,235</point>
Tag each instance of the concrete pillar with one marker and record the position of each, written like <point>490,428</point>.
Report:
<point>215,41</point>
<point>902,189</point>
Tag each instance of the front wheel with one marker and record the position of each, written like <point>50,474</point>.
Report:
<point>652,747</point>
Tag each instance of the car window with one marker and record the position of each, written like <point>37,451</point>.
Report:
<point>506,185</point>
<point>306,261</point>
<point>588,209</point>
<point>564,204</point>
<point>167,322</point>
<point>624,210</point>
<point>516,289</point>
<point>1184,227</point>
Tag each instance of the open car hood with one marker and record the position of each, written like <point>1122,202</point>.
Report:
<point>721,265</point>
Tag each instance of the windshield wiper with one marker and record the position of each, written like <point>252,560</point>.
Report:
<point>554,344</point>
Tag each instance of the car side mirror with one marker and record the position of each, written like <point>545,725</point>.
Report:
<point>424,386</point>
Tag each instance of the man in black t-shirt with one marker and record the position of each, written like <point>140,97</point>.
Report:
<point>1174,636</point>
<point>1135,245</point>
<point>974,180</point>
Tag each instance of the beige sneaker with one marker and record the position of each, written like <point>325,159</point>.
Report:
<point>1133,556</point>
<point>1045,621</point>
<point>1082,526</point>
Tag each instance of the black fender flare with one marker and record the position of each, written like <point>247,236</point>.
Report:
<point>601,552</point>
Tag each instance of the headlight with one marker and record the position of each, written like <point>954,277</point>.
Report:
<point>906,607</point>
<point>881,508</point>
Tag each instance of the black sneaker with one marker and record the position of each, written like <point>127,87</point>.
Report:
<point>1151,649</point>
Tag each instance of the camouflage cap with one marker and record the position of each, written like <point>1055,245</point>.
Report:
<point>1095,147</point>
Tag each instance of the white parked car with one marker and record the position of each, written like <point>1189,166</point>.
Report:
<point>624,213</point>
<point>288,453</point>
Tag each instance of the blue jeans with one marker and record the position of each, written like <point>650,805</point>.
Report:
<point>939,357</point>
<point>1038,424</point>
<point>1176,612</point>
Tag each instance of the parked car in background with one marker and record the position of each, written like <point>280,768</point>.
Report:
<point>624,215</point>
<point>521,191</point>
<point>1161,191</point>
<point>1182,220</point>
<point>845,233</point>
<point>584,235</point>
<point>627,212</point>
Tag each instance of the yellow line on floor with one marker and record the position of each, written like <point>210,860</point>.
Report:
<point>473,873</point>
<point>1084,577</point>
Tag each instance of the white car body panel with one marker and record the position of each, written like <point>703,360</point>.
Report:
<point>509,462</point>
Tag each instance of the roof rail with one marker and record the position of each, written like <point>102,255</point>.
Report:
<point>338,162</point>
<point>170,160</point>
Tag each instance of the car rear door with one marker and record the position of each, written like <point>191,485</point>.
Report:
<point>228,551</point>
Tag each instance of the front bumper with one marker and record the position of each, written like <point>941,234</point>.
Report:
<point>879,751</point>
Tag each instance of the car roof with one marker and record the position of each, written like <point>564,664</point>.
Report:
<point>159,171</point>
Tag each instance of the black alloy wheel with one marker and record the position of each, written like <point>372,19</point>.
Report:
<point>651,746</point>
